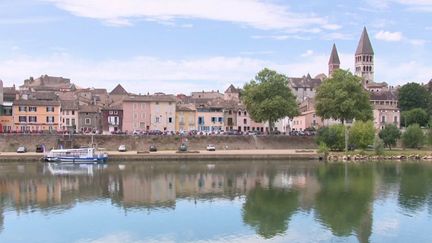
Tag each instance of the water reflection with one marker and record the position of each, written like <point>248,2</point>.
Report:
<point>339,197</point>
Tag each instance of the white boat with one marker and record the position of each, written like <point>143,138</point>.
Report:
<point>76,156</point>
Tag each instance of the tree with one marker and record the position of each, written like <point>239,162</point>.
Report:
<point>362,134</point>
<point>342,97</point>
<point>413,137</point>
<point>416,115</point>
<point>390,134</point>
<point>268,97</point>
<point>332,136</point>
<point>414,95</point>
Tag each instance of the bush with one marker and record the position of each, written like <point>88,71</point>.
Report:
<point>413,137</point>
<point>362,134</point>
<point>415,116</point>
<point>333,136</point>
<point>389,135</point>
<point>378,146</point>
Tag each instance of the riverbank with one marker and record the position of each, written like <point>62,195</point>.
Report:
<point>193,155</point>
<point>396,154</point>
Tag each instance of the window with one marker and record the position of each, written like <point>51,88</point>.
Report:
<point>170,120</point>
<point>73,122</point>
<point>32,119</point>
<point>87,121</point>
<point>33,108</point>
<point>67,113</point>
<point>213,119</point>
<point>157,102</point>
<point>22,108</point>
<point>395,120</point>
<point>200,120</point>
<point>22,119</point>
<point>73,112</point>
<point>239,113</point>
<point>67,122</point>
<point>220,119</point>
<point>245,121</point>
<point>50,119</point>
<point>383,119</point>
<point>157,119</point>
<point>50,108</point>
<point>110,112</point>
<point>115,112</point>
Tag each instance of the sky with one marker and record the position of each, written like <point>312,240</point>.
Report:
<point>180,46</point>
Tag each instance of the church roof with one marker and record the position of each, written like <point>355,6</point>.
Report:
<point>232,89</point>
<point>364,45</point>
<point>305,82</point>
<point>334,57</point>
<point>118,90</point>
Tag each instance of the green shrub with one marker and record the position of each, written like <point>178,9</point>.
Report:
<point>389,135</point>
<point>379,146</point>
<point>333,136</point>
<point>413,137</point>
<point>362,134</point>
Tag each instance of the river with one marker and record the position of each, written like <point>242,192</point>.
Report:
<point>261,201</point>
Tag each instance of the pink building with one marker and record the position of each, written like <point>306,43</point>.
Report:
<point>307,119</point>
<point>149,112</point>
<point>245,123</point>
<point>136,113</point>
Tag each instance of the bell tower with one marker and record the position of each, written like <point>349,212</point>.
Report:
<point>364,59</point>
<point>334,62</point>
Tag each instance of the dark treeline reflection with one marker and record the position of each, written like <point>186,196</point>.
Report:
<point>339,196</point>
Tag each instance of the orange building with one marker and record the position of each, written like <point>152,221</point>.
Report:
<point>36,115</point>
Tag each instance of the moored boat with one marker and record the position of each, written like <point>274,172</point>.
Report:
<point>76,156</point>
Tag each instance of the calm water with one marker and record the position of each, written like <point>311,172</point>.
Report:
<point>205,202</point>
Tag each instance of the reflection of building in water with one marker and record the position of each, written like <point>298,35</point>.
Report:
<point>33,191</point>
<point>148,189</point>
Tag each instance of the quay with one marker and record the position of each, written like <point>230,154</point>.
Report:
<point>171,155</point>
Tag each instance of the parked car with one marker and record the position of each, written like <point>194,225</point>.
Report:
<point>183,147</point>
<point>21,149</point>
<point>211,147</point>
<point>122,148</point>
<point>152,148</point>
<point>39,148</point>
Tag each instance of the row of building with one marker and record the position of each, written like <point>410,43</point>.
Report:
<point>56,104</point>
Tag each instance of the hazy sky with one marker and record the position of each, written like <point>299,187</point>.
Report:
<point>178,46</point>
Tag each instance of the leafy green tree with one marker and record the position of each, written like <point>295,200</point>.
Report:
<point>332,136</point>
<point>344,203</point>
<point>414,95</point>
<point>342,97</point>
<point>390,134</point>
<point>269,210</point>
<point>268,97</point>
<point>413,137</point>
<point>416,115</point>
<point>362,134</point>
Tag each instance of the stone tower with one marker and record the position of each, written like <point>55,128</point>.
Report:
<point>364,59</point>
<point>334,62</point>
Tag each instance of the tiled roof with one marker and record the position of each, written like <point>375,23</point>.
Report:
<point>305,82</point>
<point>383,95</point>
<point>185,107</point>
<point>334,57</point>
<point>364,45</point>
<point>37,102</point>
<point>118,90</point>
<point>232,89</point>
<point>150,98</point>
<point>88,109</point>
<point>69,105</point>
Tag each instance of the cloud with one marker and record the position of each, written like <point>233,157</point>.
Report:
<point>388,36</point>
<point>142,74</point>
<point>281,37</point>
<point>258,14</point>
<point>308,53</point>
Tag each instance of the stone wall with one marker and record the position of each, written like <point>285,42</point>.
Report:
<point>9,143</point>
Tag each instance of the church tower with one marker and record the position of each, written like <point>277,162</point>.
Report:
<point>334,62</point>
<point>364,59</point>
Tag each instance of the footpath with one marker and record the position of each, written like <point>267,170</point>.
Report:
<point>170,155</point>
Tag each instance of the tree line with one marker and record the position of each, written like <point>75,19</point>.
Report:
<point>342,97</point>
